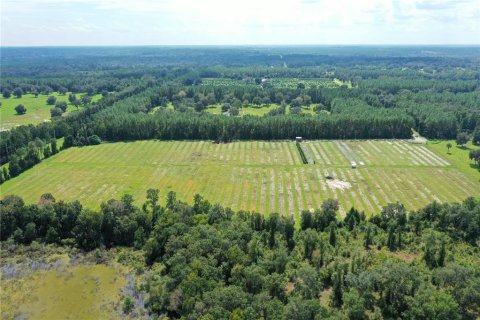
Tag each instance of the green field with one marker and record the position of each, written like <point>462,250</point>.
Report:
<point>63,291</point>
<point>258,111</point>
<point>254,175</point>
<point>456,155</point>
<point>343,83</point>
<point>37,109</point>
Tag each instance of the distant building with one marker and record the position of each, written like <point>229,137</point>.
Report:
<point>354,165</point>
<point>298,139</point>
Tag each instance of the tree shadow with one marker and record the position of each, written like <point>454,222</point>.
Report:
<point>475,166</point>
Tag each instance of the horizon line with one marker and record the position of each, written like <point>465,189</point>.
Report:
<point>249,45</point>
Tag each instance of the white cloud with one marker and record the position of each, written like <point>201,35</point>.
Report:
<point>239,22</point>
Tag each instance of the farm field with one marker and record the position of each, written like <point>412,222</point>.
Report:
<point>37,109</point>
<point>253,175</point>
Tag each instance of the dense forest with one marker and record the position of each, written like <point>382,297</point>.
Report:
<point>204,261</point>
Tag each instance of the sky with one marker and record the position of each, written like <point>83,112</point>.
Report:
<point>238,22</point>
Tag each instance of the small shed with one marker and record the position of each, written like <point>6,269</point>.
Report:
<point>298,139</point>
<point>354,165</point>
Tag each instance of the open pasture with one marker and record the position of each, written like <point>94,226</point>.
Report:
<point>260,110</point>
<point>37,108</point>
<point>66,291</point>
<point>253,175</point>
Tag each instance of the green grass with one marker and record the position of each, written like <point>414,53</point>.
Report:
<point>248,110</point>
<point>261,176</point>
<point>260,110</point>
<point>81,292</point>
<point>456,155</point>
<point>343,83</point>
<point>215,109</point>
<point>37,109</point>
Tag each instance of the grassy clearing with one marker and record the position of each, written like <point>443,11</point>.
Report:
<point>256,175</point>
<point>339,82</point>
<point>37,109</point>
<point>456,155</point>
<point>78,292</point>
<point>259,111</point>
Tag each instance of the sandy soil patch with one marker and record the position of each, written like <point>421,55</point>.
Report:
<point>338,184</point>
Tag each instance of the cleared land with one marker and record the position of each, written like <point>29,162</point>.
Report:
<point>37,109</point>
<point>254,175</point>
<point>260,110</point>
<point>86,291</point>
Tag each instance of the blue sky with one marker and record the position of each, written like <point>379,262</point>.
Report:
<point>188,22</point>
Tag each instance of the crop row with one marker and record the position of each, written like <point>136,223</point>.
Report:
<point>257,175</point>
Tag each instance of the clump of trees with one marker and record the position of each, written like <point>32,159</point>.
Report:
<point>475,156</point>
<point>476,136</point>
<point>462,139</point>
<point>26,157</point>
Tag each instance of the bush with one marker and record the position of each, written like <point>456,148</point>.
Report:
<point>94,140</point>
<point>20,109</point>
<point>56,112</point>
<point>51,100</point>
<point>62,105</point>
<point>128,304</point>
<point>18,92</point>
<point>462,139</point>
<point>295,110</point>
<point>225,107</point>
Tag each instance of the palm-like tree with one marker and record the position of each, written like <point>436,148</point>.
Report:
<point>449,145</point>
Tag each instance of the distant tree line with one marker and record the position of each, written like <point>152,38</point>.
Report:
<point>20,137</point>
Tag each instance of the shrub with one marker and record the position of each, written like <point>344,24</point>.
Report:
<point>56,112</point>
<point>94,140</point>
<point>20,109</point>
<point>128,304</point>
<point>51,100</point>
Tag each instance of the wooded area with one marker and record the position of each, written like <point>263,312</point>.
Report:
<point>208,262</point>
